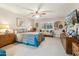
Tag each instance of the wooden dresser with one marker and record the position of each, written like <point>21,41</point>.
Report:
<point>70,44</point>
<point>67,43</point>
<point>75,47</point>
<point>6,39</point>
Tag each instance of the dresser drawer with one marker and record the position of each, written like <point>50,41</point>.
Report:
<point>75,49</point>
<point>6,39</point>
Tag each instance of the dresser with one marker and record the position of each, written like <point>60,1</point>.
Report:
<point>6,39</point>
<point>70,44</point>
<point>75,47</point>
<point>67,43</point>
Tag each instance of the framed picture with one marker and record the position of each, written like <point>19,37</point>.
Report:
<point>19,21</point>
<point>71,18</point>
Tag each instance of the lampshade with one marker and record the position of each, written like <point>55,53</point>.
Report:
<point>4,26</point>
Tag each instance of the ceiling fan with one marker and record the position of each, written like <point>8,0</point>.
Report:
<point>37,13</point>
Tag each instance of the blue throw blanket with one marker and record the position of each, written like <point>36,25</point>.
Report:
<point>2,52</point>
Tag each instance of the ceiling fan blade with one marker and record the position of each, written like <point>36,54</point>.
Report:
<point>47,11</point>
<point>43,13</point>
<point>30,15</point>
<point>39,7</point>
<point>33,15</point>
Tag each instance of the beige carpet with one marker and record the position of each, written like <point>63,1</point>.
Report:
<point>49,47</point>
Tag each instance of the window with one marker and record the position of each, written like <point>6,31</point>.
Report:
<point>47,26</point>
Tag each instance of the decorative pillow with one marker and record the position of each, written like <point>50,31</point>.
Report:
<point>21,30</point>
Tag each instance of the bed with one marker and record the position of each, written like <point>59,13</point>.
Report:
<point>30,38</point>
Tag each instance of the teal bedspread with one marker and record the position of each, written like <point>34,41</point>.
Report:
<point>29,38</point>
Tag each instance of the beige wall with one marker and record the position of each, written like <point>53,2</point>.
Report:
<point>7,17</point>
<point>59,11</point>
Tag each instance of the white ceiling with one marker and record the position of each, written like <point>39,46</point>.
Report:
<point>58,9</point>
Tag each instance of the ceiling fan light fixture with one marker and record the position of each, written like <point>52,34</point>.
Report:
<point>37,16</point>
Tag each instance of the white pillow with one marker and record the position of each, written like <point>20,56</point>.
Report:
<point>21,30</point>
